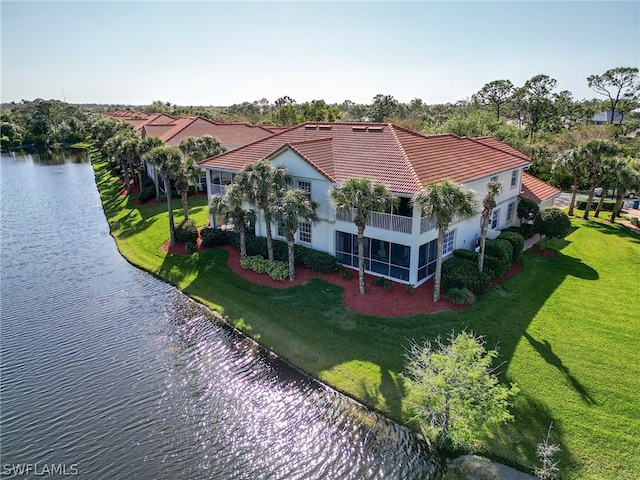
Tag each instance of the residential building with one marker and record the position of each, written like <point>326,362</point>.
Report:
<point>400,244</point>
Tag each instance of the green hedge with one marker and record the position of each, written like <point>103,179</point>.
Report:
<point>517,243</point>
<point>187,232</point>
<point>460,273</point>
<point>465,254</point>
<point>607,205</point>
<point>274,268</point>
<point>215,237</point>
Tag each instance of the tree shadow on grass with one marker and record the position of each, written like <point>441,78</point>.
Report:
<point>613,229</point>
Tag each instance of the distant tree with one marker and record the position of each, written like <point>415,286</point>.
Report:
<point>319,111</point>
<point>358,197</point>
<point>616,84</point>
<point>261,182</point>
<point>488,204</point>
<point>536,97</point>
<point>282,101</point>
<point>383,106</point>
<point>593,153</point>
<point>289,209</point>
<point>444,202</point>
<point>286,116</point>
<point>551,223</point>
<point>453,389</point>
<point>495,95</point>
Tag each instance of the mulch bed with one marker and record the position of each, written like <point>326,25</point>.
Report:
<point>378,301</point>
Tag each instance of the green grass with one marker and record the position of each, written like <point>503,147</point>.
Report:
<point>567,329</point>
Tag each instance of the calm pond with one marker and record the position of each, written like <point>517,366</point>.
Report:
<point>110,373</point>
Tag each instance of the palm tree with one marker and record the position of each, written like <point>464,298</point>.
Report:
<point>146,145</point>
<point>625,175</point>
<point>572,162</point>
<point>291,208</point>
<point>200,148</point>
<point>231,207</point>
<point>168,161</point>
<point>444,202</point>
<point>358,197</point>
<point>261,183</point>
<point>593,152</point>
<point>187,173</point>
<point>488,203</point>
<point>119,146</point>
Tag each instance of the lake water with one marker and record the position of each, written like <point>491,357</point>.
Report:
<point>108,373</point>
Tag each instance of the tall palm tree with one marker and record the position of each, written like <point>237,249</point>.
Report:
<point>231,207</point>
<point>168,161</point>
<point>291,208</point>
<point>625,175</point>
<point>593,152</point>
<point>200,148</point>
<point>358,197</point>
<point>572,162</point>
<point>119,147</point>
<point>146,145</point>
<point>443,203</point>
<point>488,204</point>
<point>187,173</point>
<point>261,182</point>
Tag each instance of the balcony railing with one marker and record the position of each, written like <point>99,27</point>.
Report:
<point>217,190</point>
<point>426,224</point>
<point>386,221</point>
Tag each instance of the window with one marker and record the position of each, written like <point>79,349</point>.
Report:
<point>382,257</point>
<point>305,187</point>
<point>281,229</point>
<point>510,211</point>
<point>514,178</point>
<point>304,230</point>
<point>495,218</point>
<point>448,242</point>
<point>494,178</point>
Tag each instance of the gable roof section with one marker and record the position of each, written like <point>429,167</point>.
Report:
<point>537,190</point>
<point>402,160</point>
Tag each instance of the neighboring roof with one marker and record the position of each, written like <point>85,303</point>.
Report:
<point>537,190</point>
<point>402,160</point>
<point>231,135</point>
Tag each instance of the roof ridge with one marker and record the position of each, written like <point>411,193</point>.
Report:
<point>405,157</point>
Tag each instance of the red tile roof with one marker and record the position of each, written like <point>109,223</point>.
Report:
<point>537,190</point>
<point>402,160</point>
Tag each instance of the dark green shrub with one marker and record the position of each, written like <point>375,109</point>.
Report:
<point>527,210</point>
<point>384,282</point>
<point>467,255</point>
<point>552,222</point>
<point>186,231</point>
<point>147,182</point>
<point>607,205</point>
<point>409,288</point>
<point>461,273</point>
<point>345,272</point>
<point>499,248</point>
<point>190,247</point>
<point>318,261</point>
<point>495,267</point>
<point>147,193</point>
<point>461,296</point>
<point>517,243</point>
<point>276,269</point>
<point>635,221</point>
<point>214,237</point>
<point>527,231</point>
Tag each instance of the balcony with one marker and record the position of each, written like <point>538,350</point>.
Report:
<point>426,224</point>
<point>217,190</point>
<point>386,221</point>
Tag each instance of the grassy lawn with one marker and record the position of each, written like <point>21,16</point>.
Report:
<point>567,329</point>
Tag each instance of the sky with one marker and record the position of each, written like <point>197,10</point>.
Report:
<point>220,53</point>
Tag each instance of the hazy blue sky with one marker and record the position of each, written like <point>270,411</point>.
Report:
<point>220,53</point>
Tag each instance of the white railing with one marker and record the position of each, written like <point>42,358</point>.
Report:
<point>426,224</point>
<point>217,190</point>
<point>386,221</point>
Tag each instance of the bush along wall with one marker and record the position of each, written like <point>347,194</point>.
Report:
<point>607,205</point>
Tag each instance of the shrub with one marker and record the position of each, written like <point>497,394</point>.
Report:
<point>552,223</point>
<point>274,268</point>
<point>317,261</point>
<point>409,288</point>
<point>527,210</point>
<point>461,273</point>
<point>635,221</point>
<point>466,255</point>
<point>517,243</point>
<point>607,205</point>
<point>527,231</point>
<point>186,231</point>
<point>214,237</point>
<point>499,248</point>
<point>345,272</point>
<point>461,296</point>
<point>147,194</point>
<point>495,267</point>
<point>384,282</point>
<point>190,247</point>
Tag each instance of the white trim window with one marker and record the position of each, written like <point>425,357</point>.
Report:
<point>304,232</point>
<point>514,179</point>
<point>305,187</point>
<point>510,209</point>
<point>449,242</point>
<point>495,219</point>
<point>281,230</point>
